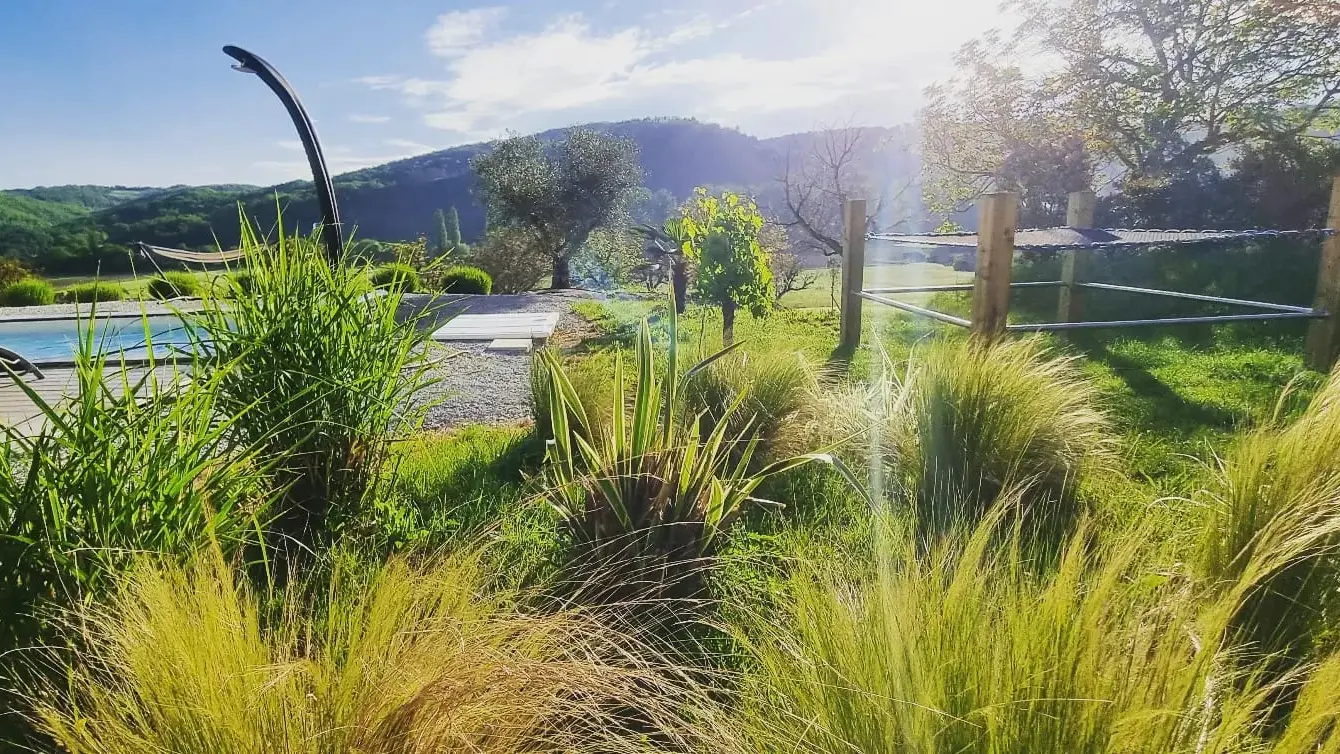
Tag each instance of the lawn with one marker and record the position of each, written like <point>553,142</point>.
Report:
<point>133,283</point>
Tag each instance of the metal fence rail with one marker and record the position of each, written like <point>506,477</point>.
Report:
<point>1275,311</point>
<point>999,238</point>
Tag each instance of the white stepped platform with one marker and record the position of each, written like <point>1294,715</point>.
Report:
<point>511,345</point>
<point>518,326</point>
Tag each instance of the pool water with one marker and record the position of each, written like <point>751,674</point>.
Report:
<point>57,340</point>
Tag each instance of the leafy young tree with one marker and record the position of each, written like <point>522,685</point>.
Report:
<point>721,236</point>
<point>560,194</point>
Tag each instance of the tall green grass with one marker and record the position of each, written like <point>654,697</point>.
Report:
<point>327,375</point>
<point>412,659</point>
<point>1278,489</point>
<point>137,461</point>
<point>965,649</point>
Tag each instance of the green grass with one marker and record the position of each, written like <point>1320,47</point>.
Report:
<point>135,284</point>
<point>449,486</point>
<point>1174,403</point>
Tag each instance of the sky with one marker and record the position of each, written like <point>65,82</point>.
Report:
<point>138,92</point>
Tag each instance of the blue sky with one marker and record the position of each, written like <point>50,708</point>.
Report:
<point>137,92</point>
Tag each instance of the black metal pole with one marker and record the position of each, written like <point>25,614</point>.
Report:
<point>325,190</point>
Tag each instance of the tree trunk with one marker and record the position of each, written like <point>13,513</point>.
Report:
<point>727,323</point>
<point>680,280</point>
<point>562,273</point>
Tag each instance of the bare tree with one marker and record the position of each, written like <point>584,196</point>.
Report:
<point>821,173</point>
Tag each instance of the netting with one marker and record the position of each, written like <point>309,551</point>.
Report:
<point>1060,239</point>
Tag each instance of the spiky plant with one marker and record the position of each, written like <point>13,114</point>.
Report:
<point>650,501</point>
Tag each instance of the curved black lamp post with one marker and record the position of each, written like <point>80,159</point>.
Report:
<point>325,190</point>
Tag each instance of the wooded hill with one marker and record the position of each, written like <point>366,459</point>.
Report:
<point>55,226</point>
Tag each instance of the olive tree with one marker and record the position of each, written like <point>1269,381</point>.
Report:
<point>559,193</point>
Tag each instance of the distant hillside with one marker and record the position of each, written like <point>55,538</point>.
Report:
<point>88,197</point>
<point>397,200</point>
<point>93,197</point>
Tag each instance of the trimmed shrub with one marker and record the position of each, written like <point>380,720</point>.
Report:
<point>174,284</point>
<point>465,279</point>
<point>28,292</point>
<point>395,277</point>
<point>88,293</point>
<point>233,284</point>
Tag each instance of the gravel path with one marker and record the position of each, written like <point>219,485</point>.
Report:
<point>477,386</point>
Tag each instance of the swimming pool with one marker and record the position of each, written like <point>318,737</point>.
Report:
<point>55,341</point>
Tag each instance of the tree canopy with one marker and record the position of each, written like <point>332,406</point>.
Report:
<point>559,194</point>
<point>1153,87</point>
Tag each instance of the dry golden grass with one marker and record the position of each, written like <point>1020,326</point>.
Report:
<point>412,660</point>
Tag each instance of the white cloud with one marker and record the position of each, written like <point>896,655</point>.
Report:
<point>293,145</point>
<point>778,66</point>
<point>339,159</point>
<point>361,118</point>
<point>453,33</point>
<point>415,146</point>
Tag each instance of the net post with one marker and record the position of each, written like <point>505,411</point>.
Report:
<point>998,220</point>
<point>1074,262</point>
<point>1323,337</point>
<point>852,272</point>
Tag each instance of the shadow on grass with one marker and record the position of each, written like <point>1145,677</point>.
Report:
<point>1164,410</point>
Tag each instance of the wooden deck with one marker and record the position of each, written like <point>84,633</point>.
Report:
<point>17,409</point>
<point>518,325</point>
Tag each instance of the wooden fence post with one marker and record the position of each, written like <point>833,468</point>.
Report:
<point>1323,337</point>
<point>1074,263</point>
<point>853,272</point>
<point>999,217</point>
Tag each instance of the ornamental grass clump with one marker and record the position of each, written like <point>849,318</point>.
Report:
<point>326,373</point>
<point>1278,491</point>
<point>772,389</point>
<point>975,418</point>
<point>412,659</point>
